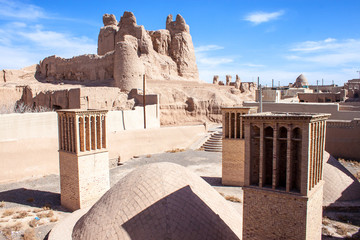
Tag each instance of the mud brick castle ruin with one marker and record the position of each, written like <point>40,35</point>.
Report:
<point>126,51</point>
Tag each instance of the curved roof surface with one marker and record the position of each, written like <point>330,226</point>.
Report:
<point>340,184</point>
<point>160,201</point>
<point>300,81</point>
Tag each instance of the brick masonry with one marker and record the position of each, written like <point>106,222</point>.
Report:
<point>83,179</point>
<point>233,162</point>
<point>281,215</point>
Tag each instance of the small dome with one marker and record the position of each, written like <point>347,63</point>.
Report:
<point>301,80</point>
<point>160,201</point>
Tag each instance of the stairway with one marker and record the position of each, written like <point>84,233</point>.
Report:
<point>214,143</point>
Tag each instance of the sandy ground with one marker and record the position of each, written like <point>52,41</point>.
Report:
<point>35,204</point>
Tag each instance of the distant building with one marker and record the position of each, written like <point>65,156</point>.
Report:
<point>353,88</point>
<point>322,97</point>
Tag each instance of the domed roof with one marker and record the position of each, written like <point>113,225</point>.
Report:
<point>301,80</point>
<point>160,201</point>
<point>340,184</point>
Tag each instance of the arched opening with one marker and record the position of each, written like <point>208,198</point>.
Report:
<point>232,127</point>
<point>93,133</point>
<point>98,133</point>
<point>281,157</point>
<point>103,140</point>
<point>238,128</point>
<point>268,156</point>
<point>295,160</point>
<point>254,155</point>
<point>81,133</point>
<point>87,133</point>
<point>56,107</point>
<point>226,125</point>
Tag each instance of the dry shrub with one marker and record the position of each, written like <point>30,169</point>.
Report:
<point>30,234</point>
<point>54,219</point>
<point>176,150</point>
<point>2,204</point>
<point>233,199</point>
<point>325,220</point>
<point>357,175</point>
<point>37,210</point>
<point>7,231</point>
<point>148,156</point>
<point>47,206</point>
<point>7,213</point>
<point>20,215</point>
<point>48,214</point>
<point>341,229</point>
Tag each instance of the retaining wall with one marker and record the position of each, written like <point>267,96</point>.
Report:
<point>29,141</point>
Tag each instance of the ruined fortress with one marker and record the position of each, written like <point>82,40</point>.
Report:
<point>126,51</point>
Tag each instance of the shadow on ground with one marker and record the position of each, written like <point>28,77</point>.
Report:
<point>32,198</point>
<point>213,181</point>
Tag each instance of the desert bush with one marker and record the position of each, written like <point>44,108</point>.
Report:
<point>233,199</point>
<point>20,215</point>
<point>21,107</point>
<point>7,213</point>
<point>48,214</point>
<point>175,150</point>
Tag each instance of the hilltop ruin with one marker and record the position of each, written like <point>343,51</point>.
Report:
<point>126,51</point>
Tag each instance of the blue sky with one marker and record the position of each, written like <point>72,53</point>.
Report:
<point>271,39</point>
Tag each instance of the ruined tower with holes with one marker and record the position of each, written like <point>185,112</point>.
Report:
<point>283,187</point>
<point>233,145</point>
<point>84,159</point>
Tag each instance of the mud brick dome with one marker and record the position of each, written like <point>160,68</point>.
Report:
<point>160,201</point>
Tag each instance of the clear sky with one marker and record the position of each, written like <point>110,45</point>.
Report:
<point>277,39</point>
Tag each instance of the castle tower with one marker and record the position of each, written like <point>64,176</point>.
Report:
<point>283,175</point>
<point>84,159</point>
<point>233,144</point>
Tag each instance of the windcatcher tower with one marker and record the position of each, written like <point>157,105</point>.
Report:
<point>283,175</point>
<point>84,159</point>
<point>233,145</point>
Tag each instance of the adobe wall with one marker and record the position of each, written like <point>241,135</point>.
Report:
<point>342,139</point>
<point>84,68</point>
<point>29,141</point>
<point>319,97</point>
<point>10,95</point>
<point>332,108</point>
<point>269,95</point>
<point>149,141</point>
<point>28,145</point>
